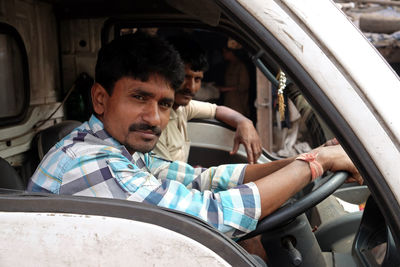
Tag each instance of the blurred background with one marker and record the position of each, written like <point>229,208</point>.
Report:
<point>379,20</point>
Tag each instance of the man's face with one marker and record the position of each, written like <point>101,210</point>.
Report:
<point>136,112</point>
<point>189,88</point>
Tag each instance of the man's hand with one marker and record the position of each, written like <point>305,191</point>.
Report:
<point>247,135</point>
<point>339,161</point>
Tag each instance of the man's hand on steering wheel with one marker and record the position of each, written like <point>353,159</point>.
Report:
<point>339,161</point>
<point>288,180</point>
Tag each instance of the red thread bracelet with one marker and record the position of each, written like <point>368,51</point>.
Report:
<point>315,166</point>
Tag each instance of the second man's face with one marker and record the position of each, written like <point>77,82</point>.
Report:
<point>189,88</point>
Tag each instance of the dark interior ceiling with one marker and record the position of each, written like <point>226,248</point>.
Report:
<point>102,8</point>
<point>204,10</point>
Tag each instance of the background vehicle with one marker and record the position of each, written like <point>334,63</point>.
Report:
<point>49,47</point>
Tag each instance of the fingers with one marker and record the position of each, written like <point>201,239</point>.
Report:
<point>355,179</point>
<point>355,175</point>
<point>247,135</point>
<point>253,150</point>
<point>331,142</point>
<point>249,152</point>
<point>256,151</point>
<point>235,148</point>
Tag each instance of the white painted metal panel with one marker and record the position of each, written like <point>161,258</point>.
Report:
<point>36,23</point>
<point>51,239</point>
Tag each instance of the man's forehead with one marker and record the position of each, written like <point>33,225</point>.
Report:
<point>189,71</point>
<point>153,85</point>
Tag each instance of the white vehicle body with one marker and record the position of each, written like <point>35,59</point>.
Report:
<point>104,241</point>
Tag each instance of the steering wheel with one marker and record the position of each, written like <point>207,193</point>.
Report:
<point>323,188</point>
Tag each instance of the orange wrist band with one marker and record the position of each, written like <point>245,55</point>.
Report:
<point>315,166</point>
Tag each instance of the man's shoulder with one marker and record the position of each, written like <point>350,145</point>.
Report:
<point>81,142</point>
<point>200,109</point>
<point>78,148</point>
<point>197,103</point>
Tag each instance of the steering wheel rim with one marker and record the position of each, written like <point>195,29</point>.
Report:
<point>295,208</point>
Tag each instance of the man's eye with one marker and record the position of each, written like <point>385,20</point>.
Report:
<point>166,104</point>
<point>138,97</point>
<point>198,80</point>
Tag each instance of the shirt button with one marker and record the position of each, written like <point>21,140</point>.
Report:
<point>130,166</point>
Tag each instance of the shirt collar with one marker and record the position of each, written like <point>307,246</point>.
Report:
<point>173,114</point>
<point>97,128</point>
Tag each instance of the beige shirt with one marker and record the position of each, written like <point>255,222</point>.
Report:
<point>174,143</point>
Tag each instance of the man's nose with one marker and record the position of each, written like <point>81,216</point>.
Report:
<point>190,84</point>
<point>151,114</point>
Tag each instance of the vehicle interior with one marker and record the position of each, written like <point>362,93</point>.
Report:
<point>48,53</point>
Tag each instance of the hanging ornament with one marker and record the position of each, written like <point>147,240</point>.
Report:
<point>281,87</point>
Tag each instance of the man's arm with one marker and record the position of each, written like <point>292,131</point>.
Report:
<point>256,172</point>
<point>215,195</point>
<point>245,134</point>
<point>217,178</point>
<point>278,181</point>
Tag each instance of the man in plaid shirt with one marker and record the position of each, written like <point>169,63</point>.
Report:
<point>108,156</point>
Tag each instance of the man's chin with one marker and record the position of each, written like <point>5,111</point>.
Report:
<point>142,148</point>
<point>183,102</point>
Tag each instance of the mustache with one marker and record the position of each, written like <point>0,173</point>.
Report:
<point>145,127</point>
<point>185,92</point>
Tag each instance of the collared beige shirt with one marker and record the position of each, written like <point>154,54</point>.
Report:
<point>174,143</point>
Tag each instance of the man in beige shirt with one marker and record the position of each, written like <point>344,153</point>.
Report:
<point>174,143</point>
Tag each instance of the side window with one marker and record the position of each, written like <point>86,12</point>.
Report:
<point>14,76</point>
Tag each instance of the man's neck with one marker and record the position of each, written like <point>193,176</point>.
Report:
<point>175,106</point>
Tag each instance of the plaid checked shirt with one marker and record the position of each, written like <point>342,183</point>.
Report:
<point>89,162</point>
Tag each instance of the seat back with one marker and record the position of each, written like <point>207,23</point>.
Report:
<point>47,138</point>
<point>9,178</point>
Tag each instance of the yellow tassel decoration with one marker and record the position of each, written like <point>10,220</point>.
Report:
<point>281,102</point>
<point>281,105</point>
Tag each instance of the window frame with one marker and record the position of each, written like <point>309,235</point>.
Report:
<point>13,33</point>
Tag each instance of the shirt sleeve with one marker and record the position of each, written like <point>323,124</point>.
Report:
<point>200,110</point>
<point>202,193</point>
<point>48,176</point>
<point>216,179</point>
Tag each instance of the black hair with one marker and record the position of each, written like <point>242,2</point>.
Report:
<point>138,56</point>
<point>190,51</point>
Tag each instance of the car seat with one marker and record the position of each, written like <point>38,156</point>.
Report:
<point>48,137</point>
<point>10,179</point>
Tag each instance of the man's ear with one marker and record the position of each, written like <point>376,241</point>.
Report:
<point>99,98</point>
